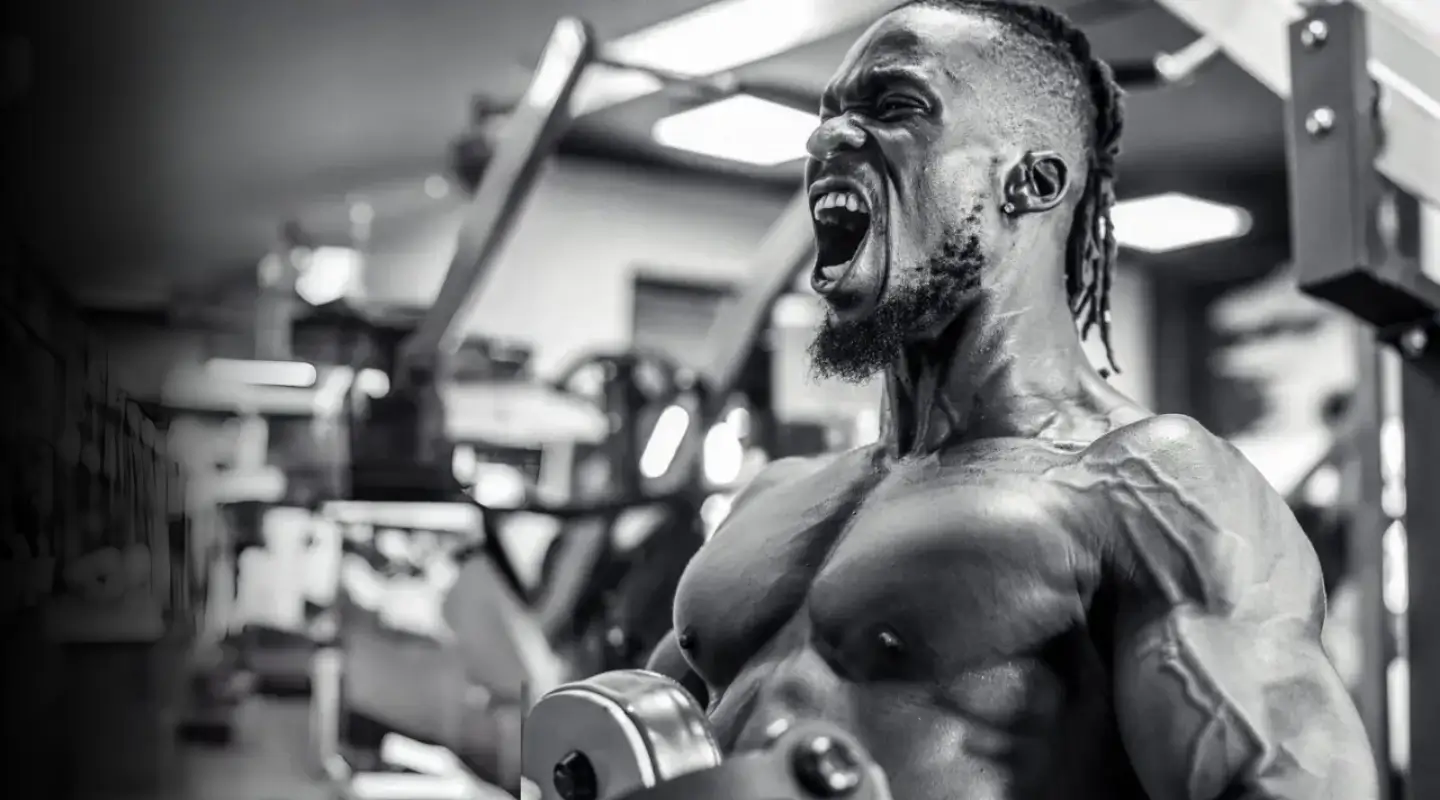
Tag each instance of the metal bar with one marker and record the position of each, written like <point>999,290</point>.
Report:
<point>1365,552</point>
<point>1345,220</point>
<point>529,135</point>
<point>1403,37</point>
<point>1420,409</point>
<point>787,247</point>
<point>1421,399</point>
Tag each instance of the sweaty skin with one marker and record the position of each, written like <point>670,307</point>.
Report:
<point>1031,588</point>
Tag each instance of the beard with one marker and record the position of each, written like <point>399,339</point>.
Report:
<point>855,350</point>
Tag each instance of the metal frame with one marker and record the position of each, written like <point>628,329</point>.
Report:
<point>1254,34</point>
<point>1358,246</point>
<point>1363,79</point>
<point>530,134</point>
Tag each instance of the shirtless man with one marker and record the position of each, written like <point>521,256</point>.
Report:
<point>1031,588</point>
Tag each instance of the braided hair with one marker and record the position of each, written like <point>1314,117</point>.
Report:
<point>1091,249</point>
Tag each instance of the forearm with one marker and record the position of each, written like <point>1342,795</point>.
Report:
<point>1212,716</point>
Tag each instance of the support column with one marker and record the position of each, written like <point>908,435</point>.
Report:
<point>1420,401</point>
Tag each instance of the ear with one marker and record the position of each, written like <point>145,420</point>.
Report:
<point>1038,182</point>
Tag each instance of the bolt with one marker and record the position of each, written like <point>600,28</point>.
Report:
<point>575,778</point>
<point>1315,33</point>
<point>1320,122</point>
<point>826,768</point>
<point>1414,342</point>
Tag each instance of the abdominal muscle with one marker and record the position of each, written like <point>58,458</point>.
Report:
<point>1006,731</point>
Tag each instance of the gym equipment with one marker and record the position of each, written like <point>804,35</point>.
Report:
<point>1358,246</point>
<point>1363,80</point>
<point>1400,38</point>
<point>399,451</point>
<point>636,735</point>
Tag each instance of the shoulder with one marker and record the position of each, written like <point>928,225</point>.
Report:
<point>779,472</point>
<point>1174,455</point>
<point>1193,519</point>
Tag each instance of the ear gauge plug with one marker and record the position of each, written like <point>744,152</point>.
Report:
<point>1008,208</point>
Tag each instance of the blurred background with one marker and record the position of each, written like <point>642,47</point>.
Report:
<point>342,318</point>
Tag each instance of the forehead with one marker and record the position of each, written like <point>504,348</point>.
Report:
<point>935,42</point>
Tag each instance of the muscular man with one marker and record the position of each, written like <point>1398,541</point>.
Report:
<point>1031,588</point>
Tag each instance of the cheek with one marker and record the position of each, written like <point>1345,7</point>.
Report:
<point>954,184</point>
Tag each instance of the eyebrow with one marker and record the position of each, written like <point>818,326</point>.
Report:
<point>875,76</point>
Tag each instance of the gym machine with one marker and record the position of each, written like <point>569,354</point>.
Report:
<point>399,450</point>
<point>1363,84</point>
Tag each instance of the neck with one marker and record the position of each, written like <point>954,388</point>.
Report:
<point>1009,365</point>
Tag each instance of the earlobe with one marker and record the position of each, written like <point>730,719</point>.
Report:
<point>1037,182</point>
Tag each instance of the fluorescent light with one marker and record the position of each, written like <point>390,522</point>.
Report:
<point>374,383</point>
<point>327,274</point>
<point>330,397</point>
<point>724,456</point>
<point>739,128</point>
<point>498,485</point>
<point>1174,221</point>
<point>664,442</point>
<point>727,34</point>
<point>294,374</point>
<point>719,37</point>
<point>1395,588</point>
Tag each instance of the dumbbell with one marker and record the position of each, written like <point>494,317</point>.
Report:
<point>636,735</point>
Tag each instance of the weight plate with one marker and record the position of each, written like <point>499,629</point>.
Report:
<point>614,734</point>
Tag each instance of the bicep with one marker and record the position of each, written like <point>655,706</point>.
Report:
<point>1212,707</point>
<point>1222,686</point>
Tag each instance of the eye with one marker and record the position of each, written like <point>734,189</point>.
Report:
<point>896,106</point>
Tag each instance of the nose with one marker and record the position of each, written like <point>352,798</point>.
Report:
<point>834,135</point>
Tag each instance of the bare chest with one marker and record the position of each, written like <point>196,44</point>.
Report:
<point>961,565</point>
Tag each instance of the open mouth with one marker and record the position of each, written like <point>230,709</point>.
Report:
<point>842,224</point>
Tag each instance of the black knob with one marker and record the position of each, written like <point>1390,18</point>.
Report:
<point>826,767</point>
<point>575,778</point>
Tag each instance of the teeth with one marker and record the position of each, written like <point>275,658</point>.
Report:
<point>846,200</point>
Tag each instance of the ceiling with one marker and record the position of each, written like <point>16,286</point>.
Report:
<point>168,139</point>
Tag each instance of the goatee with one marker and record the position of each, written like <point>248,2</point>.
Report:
<point>855,350</point>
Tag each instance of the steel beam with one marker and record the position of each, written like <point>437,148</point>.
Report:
<point>1420,410</point>
<point>787,248</point>
<point>1365,551</point>
<point>1404,43</point>
<point>528,137</point>
<point>1346,222</point>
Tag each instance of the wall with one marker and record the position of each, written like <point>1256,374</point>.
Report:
<point>563,282</point>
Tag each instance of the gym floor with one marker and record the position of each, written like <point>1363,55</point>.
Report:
<point>266,761</point>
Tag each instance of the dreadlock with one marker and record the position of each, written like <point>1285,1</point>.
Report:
<point>1091,248</point>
